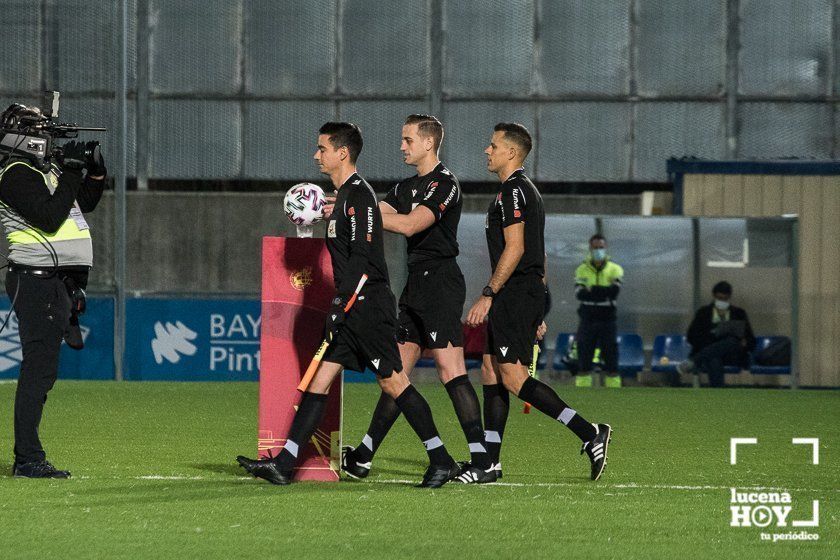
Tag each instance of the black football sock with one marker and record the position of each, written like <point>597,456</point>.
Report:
<point>468,410</point>
<point>308,416</point>
<point>543,398</point>
<point>496,406</point>
<point>419,416</point>
<point>384,416</point>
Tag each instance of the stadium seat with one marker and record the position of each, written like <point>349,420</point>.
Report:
<point>542,360</point>
<point>366,376</point>
<point>676,348</point>
<point>761,343</point>
<point>631,354</point>
<point>561,347</point>
<point>429,362</point>
<point>670,349</point>
<point>425,361</point>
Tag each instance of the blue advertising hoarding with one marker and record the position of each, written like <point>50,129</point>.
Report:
<point>95,361</point>
<point>167,339</point>
<point>192,339</point>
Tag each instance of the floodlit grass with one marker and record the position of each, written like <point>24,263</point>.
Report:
<point>154,476</point>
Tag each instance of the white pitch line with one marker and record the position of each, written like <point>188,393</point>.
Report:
<point>624,486</point>
<point>630,485</point>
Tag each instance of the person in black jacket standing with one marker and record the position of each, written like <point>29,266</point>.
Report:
<point>42,205</point>
<point>720,334</point>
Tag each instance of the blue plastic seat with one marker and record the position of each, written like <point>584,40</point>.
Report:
<point>676,348</point>
<point>631,354</point>
<point>673,347</point>
<point>425,362</point>
<point>471,363</point>
<point>429,362</point>
<point>542,360</point>
<point>561,348</point>
<point>761,343</point>
<point>366,376</point>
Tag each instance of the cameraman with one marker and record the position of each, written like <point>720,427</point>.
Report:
<point>50,254</point>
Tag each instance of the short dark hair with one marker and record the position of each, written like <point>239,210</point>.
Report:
<point>722,287</point>
<point>427,125</point>
<point>518,134</point>
<point>344,134</point>
<point>596,237</point>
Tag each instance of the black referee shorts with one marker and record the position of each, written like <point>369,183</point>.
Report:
<point>515,315</point>
<point>431,306</point>
<point>368,336</point>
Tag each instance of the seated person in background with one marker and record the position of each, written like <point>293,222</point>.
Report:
<point>720,334</point>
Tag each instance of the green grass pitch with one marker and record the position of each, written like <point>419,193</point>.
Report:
<point>155,477</point>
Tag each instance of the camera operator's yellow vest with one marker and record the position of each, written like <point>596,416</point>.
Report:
<point>70,245</point>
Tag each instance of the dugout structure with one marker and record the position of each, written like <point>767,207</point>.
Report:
<point>670,265</point>
<point>809,190</point>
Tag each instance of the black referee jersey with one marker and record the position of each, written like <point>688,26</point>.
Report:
<point>440,192</point>
<point>518,201</point>
<point>354,237</point>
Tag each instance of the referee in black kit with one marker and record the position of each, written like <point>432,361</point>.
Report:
<point>366,335</point>
<point>513,302</point>
<point>426,208</point>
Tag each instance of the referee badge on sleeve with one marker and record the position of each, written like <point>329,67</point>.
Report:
<point>331,229</point>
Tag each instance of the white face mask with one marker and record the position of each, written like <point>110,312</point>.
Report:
<point>721,305</point>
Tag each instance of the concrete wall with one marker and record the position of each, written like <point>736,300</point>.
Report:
<point>210,242</point>
<point>816,200</point>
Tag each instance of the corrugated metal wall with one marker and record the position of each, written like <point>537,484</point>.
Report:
<point>816,200</point>
<point>221,89</point>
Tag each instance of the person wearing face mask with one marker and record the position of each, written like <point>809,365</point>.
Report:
<point>720,334</point>
<point>597,284</point>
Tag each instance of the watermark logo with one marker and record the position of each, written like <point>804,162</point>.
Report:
<point>173,341</point>
<point>773,508</point>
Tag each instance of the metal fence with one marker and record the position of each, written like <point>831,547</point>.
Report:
<point>236,88</point>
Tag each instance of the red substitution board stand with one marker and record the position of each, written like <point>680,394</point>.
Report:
<point>297,288</point>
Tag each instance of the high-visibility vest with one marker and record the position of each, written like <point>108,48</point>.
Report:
<point>588,276</point>
<point>31,246</point>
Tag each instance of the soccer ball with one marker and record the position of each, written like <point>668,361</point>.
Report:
<point>304,204</point>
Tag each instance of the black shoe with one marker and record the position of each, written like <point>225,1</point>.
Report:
<point>265,469</point>
<point>73,334</point>
<point>438,475</point>
<point>474,475</point>
<point>351,466</point>
<point>596,449</point>
<point>38,469</point>
<point>498,468</point>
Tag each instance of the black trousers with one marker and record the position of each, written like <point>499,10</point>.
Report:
<point>42,306</point>
<point>713,358</point>
<point>597,333</point>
